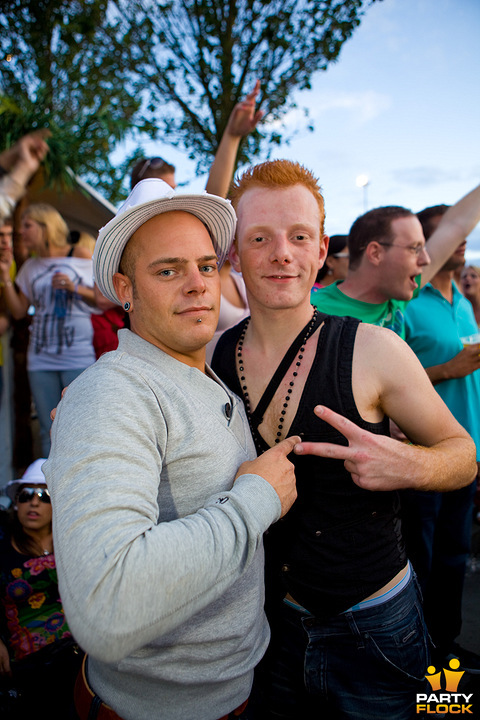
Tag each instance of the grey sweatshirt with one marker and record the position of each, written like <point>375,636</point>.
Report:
<point>159,557</point>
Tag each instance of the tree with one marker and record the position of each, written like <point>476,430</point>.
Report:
<point>64,67</point>
<point>98,71</point>
<point>197,58</point>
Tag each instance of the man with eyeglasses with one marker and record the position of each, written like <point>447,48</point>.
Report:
<point>389,261</point>
<point>438,527</point>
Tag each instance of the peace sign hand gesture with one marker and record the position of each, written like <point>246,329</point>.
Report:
<point>375,462</point>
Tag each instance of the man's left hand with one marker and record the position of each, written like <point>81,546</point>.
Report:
<point>375,462</point>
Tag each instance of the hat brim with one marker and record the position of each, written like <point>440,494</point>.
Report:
<point>13,487</point>
<point>215,212</point>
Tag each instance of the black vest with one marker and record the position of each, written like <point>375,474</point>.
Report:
<point>339,543</point>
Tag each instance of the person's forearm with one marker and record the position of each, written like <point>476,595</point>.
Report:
<point>431,468</point>
<point>21,174</point>
<point>10,193</point>
<point>438,373</point>
<point>110,537</point>
<point>15,302</point>
<point>223,166</point>
<point>169,557</point>
<point>87,294</point>
<point>458,222</point>
<point>102,302</point>
<point>4,323</point>
<point>464,215</point>
<point>459,366</point>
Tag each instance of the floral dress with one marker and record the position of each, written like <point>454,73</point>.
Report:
<point>32,615</point>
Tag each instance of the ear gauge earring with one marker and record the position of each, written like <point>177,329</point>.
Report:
<point>126,306</point>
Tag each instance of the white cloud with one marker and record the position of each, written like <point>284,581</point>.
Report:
<point>363,106</point>
<point>360,107</point>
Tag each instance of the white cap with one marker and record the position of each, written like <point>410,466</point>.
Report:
<point>33,475</point>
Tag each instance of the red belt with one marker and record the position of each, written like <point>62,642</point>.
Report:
<point>86,700</point>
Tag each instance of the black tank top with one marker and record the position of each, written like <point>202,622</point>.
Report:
<point>339,543</point>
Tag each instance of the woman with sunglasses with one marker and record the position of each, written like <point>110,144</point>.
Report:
<point>39,659</point>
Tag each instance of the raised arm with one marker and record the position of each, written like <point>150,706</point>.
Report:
<point>458,222</point>
<point>20,162</point>
<point>242,121</point>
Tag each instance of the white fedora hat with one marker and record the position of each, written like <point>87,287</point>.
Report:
<point>149,198</point>
<point>33,475</point>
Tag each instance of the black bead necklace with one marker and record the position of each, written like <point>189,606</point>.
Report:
<point>311,327</point>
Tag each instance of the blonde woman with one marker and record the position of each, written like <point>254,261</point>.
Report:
<point>58,291</point>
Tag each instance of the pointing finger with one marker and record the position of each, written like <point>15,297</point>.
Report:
<point>339,422</point>
<point>327,450</point>
<point>289,444</point>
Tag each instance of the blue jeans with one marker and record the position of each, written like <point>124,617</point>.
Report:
<point>46,387</point>
<point>362,665</point>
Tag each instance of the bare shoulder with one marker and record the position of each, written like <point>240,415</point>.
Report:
<point>372,339</point>
<point>383,363</point>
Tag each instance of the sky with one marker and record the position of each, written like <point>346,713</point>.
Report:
<point>401,106</point>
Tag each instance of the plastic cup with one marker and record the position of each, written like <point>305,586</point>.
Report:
<point>471,339</point>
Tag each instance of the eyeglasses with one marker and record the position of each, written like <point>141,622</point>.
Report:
<point>341,255</point>
<point>414,249</point>
<point>27,494</point>
<point>155,163</point>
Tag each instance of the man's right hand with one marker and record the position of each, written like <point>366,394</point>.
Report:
<point>274,466</point>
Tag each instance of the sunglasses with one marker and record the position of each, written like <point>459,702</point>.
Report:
<point>27,494</point>
<point>155,163</point>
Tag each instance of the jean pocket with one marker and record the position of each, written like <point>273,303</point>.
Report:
<point>401,652</point>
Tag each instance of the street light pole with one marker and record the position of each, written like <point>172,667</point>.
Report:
<point>363,182</point>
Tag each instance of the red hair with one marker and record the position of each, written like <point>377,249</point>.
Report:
<point>276,174</point>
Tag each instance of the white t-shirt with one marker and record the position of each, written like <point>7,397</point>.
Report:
<point>61,331</point>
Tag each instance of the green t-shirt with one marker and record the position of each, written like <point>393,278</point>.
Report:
<point>389,314</point>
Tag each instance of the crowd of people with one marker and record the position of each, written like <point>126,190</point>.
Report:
<point>262,469</point>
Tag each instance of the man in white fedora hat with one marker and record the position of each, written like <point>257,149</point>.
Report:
<point>159,501</point>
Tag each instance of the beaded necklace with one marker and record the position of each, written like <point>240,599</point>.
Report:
<point>255,417</point>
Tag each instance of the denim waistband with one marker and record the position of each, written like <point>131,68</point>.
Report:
<point>365,604</point>
<point>386,596</point>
